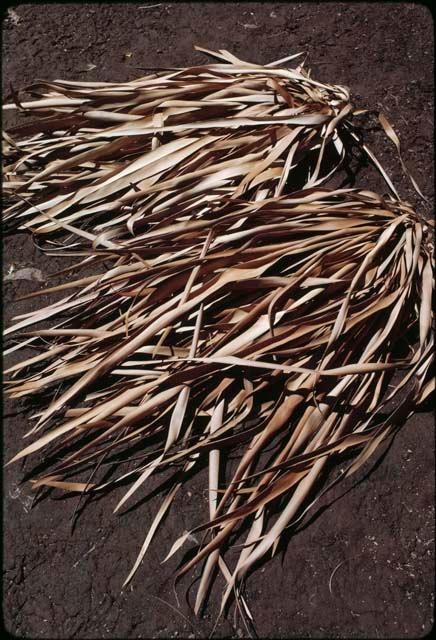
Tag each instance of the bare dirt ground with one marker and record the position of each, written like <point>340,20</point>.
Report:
<point>365,566</point>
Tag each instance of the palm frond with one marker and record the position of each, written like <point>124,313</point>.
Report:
<point>112,160</point>
<point>301,324</point>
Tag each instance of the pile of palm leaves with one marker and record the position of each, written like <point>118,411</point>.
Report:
<point>237,304</point>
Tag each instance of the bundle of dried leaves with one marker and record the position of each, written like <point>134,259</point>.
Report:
<point>114,159</point>
<point>228,317</point>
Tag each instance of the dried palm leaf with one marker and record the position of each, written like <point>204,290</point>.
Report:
<point>112,159</point>
<point>287,323</point>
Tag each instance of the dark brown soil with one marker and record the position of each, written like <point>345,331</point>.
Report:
<point>365,567</point>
